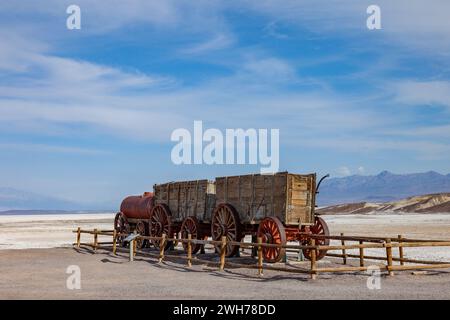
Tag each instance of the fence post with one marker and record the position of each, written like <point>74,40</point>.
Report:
<point>78,236</point>
<point>162,246</point>
<point>114,241</point>
<point>189,250</point>
<point>389,256</point>
<point>260,257</point>
<point>134,243</point>
<point>361,255</point>
<point>400,249</point>
<point>344,254</point>
<point>313,260</point>
<point>222,253</point>
<point>95,239</point>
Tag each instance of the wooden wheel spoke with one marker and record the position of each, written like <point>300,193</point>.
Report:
<point>273,231</point>
<point>225,222</point>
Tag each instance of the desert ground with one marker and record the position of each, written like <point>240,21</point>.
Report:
<point>37,251</point>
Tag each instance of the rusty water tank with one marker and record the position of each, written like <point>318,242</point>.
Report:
<point>137,207</point>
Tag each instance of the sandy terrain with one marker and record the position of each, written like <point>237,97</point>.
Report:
<point>414,226</point>
<point>41,273</point>
<point>47,231</point>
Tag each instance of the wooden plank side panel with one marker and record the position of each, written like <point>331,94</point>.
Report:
<point>185,198</point>
<point>254,196</point>
<point>301,199</point>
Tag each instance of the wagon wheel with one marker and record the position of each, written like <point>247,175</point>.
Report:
<point>272,231</point>
<point>191,226</point>
<point>160,222</point>
<point>141,229</point>
<point>319,228</point>
<point>121,225</point>
<point>225,222</point>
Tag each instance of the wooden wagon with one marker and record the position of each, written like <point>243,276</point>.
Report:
<point>182,207</point>
<point>278,208</point>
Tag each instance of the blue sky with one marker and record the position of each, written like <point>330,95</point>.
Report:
<point>86,115</point>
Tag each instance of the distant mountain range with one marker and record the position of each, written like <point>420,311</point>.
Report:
<point>379,188</point>
<point>383,187</point>
<point>15,201</point>
<point>430,203</point>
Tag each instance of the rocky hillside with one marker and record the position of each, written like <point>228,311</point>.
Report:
<point>431,203</point>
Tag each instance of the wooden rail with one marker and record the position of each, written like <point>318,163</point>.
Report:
<point>314,269</point>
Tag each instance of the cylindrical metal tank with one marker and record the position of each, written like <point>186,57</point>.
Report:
<point>137,207</point>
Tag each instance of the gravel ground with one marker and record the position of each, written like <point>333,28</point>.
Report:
<point>41,274</point>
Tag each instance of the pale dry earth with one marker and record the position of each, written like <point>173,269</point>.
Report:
<point>41,273</point>
<point>47,231</point>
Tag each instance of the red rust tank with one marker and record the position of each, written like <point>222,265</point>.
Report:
<point>137,207</point>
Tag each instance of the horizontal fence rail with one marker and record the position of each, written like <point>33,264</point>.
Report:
<point>362,243</point>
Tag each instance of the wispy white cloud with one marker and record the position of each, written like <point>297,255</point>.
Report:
<point>217,42</point>
<point>343,171</point>
<point>65,91</point>
<point>422,92</point>
<point>272,30</point>
<point>33,148</point>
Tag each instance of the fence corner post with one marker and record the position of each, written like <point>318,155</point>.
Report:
<point>400,249</point>
<point>313,259</point>
<point>189,251</point>
<point>95,239</point>
<point>223,246</point>
<point>260,257</point>
<point>361,254</point>
<point>114,241</point>
<point>162,246</point>
<point>389,256</point>
<point>344,254</point>
<point>78,237</point>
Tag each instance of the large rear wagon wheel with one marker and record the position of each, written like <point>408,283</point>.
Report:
<point>225,222</point>
<point>319,228</point>
<point>122,227</point>
<point>272,231</point>
<point>191,226</point>
<point>160,222</point>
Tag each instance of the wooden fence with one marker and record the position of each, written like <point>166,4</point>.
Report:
<point>360,243</point>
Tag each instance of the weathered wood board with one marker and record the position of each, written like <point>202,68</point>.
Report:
<point>187,198</point>
<point>290,197</point>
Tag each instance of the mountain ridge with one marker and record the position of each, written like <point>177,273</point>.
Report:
<point>383,187</point>
<point>12,199</point>
<point>430,203</point>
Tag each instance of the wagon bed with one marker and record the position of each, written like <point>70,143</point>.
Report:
<point>290,197</point>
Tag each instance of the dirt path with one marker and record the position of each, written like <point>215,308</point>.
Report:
<point>41,274</point>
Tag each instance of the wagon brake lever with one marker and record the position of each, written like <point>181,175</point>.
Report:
<point>320,181</point>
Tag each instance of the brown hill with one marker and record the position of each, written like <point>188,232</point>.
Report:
<point>430,203</point>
